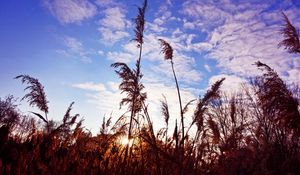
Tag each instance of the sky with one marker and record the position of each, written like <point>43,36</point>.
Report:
<point>69,46</point>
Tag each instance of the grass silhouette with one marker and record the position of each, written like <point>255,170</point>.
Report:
<point>255,131</point>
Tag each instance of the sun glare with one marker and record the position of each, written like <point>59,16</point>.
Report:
<point>124,141</point>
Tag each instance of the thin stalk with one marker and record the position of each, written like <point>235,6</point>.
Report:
<point>181,115</point>
<point>196,137</point>
<point>139,62</point>
<point>166,144</point>
<point>133,103</point>
<point>46,116</point>
<point>141,147</point>
<point>180,104</point>
<point>135,94</point>
<point>158,169</point>
<point>129,134</point>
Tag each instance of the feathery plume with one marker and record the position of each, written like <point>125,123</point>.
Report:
<point>36,95</point>
<point>165,109</point>
<point>215,130</point>
<point>166,49</point>
<point>140,24</point>
<point>209,96</point>
<point>291,37</point>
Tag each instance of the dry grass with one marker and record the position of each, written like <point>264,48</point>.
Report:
<point>256,133</point>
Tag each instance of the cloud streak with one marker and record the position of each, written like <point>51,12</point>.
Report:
<point>90,86</point>
<point>240,38</point>
<point>221,39</point>
<point>71,11</point>
<point>113,25</point>
<point>75,49</point>
<point>107,97</point>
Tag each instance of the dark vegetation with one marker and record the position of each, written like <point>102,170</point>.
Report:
<point>255,131</point>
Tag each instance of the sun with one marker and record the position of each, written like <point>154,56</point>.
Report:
<point>124,141</point>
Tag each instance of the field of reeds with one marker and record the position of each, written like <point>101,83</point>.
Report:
<point>256,131</point>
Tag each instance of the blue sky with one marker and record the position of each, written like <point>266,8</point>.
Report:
<point>69,46</point>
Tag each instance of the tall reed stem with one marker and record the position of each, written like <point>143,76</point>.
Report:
<point>182,120</point>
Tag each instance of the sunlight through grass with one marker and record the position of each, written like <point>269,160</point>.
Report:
<point>125,141</point>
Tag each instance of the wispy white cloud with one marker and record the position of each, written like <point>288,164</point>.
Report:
<point>237,39</point>
<point>113,86</point>
<point>73,44</point>
<point>113,25</point>
<point>90,86</point>
<point>188,24</point>
<point>169,2</point>
<point>231,85</point>
<point>237,35</point>
<point>105,97</point>
<point>101,52</point>
<point>157,28</point>
<point>114,18</point>
<point>155,90</point>
<point>184,68</point>
<point>110,37</point>
<point>104,3</point>
<point>113,28</point>
<point>207,67</point>
<point>107,100</point>
<point>71,11</point>
<point>75,49</point>
<point>123,57</point>
<point>184,65</point>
